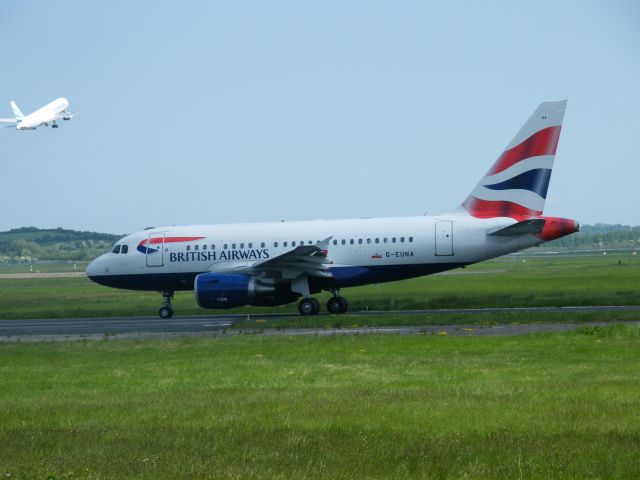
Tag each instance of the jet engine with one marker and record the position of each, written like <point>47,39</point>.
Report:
<point>228,290</point>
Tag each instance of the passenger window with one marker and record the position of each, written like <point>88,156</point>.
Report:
<point>351,241</point>
<point>377,240</point>
<point>293,244</point>
<point>213,246</point>
<point>284,244</point>
<point>188,247</point>
<point>311,243</point>
<point>368,240</point>
<point>242,245</point>
<point>225,246</point>
<point>125,249</point>
<point>393,240</point>
<point>343,241</point>
<point>401,239</point>
<point>116,249</point>
<point>275,244</point>
<point>195,247</point>
<point>204,247</point>
<point>410,239</point>
<point>359,241</point>
<point>250,245</point>
<point>262,245</point>
<point>233,246</point>
<point>335,242</point>
<point>385,240</point>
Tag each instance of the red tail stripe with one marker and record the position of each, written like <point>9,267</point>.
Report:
<point>491,209</point>
<point>543,142</point>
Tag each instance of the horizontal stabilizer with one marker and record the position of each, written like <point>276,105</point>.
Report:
<point>534,225</point>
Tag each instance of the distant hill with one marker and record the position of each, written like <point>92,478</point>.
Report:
<point>31,244</point>
<point>28,244</point>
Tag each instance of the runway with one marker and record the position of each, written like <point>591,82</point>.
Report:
<point>220,325</point>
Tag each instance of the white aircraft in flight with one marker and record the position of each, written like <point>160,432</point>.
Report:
<point>49,114</point>
<point>270,264</point>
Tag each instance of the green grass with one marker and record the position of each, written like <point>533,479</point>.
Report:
<point>380,406</point>
<point>538,281</point>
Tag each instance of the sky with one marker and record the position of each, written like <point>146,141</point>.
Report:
<point>227,112</point>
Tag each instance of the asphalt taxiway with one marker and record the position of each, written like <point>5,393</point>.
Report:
<point>218,325</point>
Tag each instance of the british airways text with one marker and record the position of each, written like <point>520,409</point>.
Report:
<point>219,256</point>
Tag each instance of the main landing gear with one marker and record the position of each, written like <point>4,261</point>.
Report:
<point>336,305</point>
<point>309,306</point>
<point>166,311</point>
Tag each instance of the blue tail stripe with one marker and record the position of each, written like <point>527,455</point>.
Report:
<point>536,181</point>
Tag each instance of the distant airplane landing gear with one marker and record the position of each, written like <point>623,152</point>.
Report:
<point>337,304</point>
<point>54,125</point>
<point>166,311</point>
<point>309,306</point>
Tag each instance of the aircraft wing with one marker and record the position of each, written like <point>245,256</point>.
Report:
<point>8,120</point>
<point>304,259</point>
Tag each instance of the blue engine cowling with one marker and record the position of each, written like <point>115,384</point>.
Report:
<point>229,290</point>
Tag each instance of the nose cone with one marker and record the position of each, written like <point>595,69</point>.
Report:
<point>97,269</point>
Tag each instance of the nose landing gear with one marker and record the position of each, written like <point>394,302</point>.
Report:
<point>166,311</point>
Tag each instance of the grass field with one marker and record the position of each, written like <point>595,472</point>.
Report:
<point>536,406</point>
<point>538,281</point>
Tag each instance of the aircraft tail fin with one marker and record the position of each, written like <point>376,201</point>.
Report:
<point>516,185</point>
<point>16,111</point>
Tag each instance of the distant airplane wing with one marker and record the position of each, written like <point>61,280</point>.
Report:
<point>68,115</point>
<point>8,120</point>
<point>304,259</point>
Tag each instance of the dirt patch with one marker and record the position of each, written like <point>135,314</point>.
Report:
<point>20,276</point>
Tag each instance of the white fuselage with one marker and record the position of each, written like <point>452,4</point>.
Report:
<point>360,251</point>
<point>45,115</point>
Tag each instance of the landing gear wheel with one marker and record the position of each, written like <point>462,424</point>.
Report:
<point>309,306</point>
<point>337,305</point>
<point>316,306</point>
<point>166,311</point>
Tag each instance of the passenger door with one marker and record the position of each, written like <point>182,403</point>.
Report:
<point>444,238</point>
<point>155,250</point>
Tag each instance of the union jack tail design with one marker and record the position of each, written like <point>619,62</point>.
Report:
<point>516,185</point>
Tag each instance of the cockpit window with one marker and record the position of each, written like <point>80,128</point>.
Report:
<point>116,249</point>
<point>125,249</point>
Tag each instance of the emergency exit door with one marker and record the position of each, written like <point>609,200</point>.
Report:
<point>444,238</point>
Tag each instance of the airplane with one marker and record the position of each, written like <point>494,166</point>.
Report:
<point>269,264</point>
<point>49,114</point>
